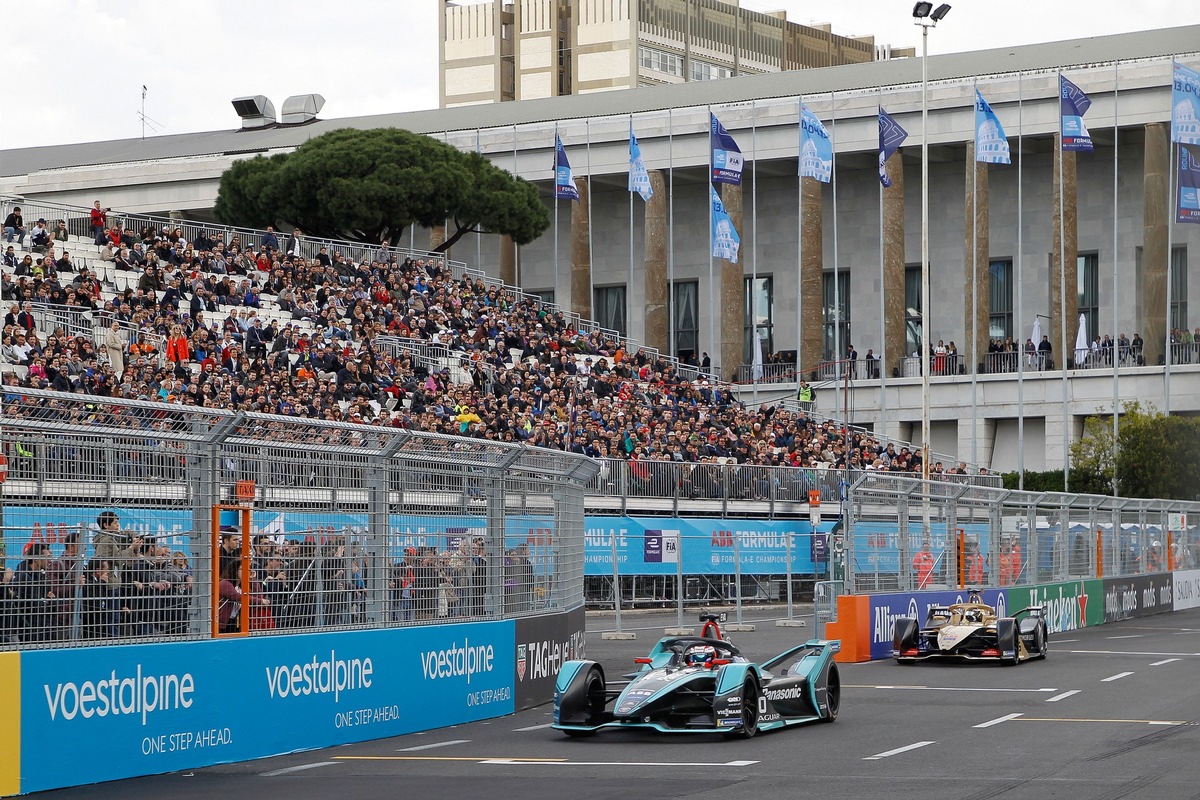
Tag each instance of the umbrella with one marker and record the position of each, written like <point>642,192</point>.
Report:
<point>1081,342</point>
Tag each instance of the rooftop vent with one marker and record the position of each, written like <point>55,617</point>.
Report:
<point>301,108</point>
<point>256,111</point>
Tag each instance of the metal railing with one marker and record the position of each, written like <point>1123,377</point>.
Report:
<point>350,526</point>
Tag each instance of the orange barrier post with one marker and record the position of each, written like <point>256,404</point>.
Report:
<point>1170,552</point>
<point>244,526</point>
<point>853,628</point>
<point>1099,554</point>
<point>962,564</point>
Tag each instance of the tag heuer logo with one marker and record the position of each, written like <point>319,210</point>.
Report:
<point>520,662</point>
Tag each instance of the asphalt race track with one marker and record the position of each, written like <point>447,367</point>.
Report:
<point>1113,713</point>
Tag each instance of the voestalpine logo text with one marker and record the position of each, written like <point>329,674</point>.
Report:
<point>124,695</point>
<point>323,675</point>
<point>457,661</point>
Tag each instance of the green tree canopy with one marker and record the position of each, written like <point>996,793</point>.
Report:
<point>368,184</point>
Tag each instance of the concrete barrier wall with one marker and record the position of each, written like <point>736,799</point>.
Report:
<point>153,708</point>
<point>866,621</point>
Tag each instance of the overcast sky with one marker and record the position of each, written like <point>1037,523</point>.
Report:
<point>80,64</point>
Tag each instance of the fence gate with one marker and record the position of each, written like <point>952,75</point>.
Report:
<point>825,597</point>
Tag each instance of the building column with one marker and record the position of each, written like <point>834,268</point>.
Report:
<point>1064,284</point>
<point>655,272</point>
<point>978,269</point>
<point>812,271</point>
<point>581,256</point>
<point>508,260</point>
<point>733,289</point>
<point>1156,208</point>
<point>894,309</point>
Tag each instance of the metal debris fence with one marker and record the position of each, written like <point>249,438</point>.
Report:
<point>351,526</point>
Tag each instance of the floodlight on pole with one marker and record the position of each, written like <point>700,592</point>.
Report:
<point>922,10</point>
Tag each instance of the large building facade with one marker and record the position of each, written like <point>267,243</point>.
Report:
<point>825,266</point>
<point>525,49</point>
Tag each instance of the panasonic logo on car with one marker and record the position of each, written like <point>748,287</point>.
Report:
<point>457,661</point>
<point>795,692</point>
<point>120,696</point>
<point>330,675</point>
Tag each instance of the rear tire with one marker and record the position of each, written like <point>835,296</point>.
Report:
<point>750,696</point>
<point>833,694</point>
<point>1041,642</point>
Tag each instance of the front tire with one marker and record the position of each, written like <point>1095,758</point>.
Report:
<point>593,689</point>
<point>750,697</point>
<point>833,694</point>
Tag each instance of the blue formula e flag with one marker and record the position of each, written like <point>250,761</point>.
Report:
<point>1073,105</point>
<point>816,148</point>
<point>991,144</point>
<point>725,155</point>
<point>1185,106</point>
<point>564,179</point>
<point>891,136</point>
<point>639,177</point>
<point>725,239</point>
<point>1189,184</point>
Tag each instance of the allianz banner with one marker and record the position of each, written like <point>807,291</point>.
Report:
<point>145,709</point>
<point>1070,605</point>
<point>668,545</point>
<point>543,643</point>
<point>887,608</point>
<point>1137,596</point>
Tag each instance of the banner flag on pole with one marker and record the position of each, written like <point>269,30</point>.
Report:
<point>1036,338</point>
<point>564,179</point>
<point>1073,104</point>
<point>726,156</point>
<point>756,367</point>
<point>1188,209</point>
<point>639,177</point>
<point>725,239</point>
<point>1185,106</point>
<point>891,136</point>
<point>991,144</point>
<point>816,148</point>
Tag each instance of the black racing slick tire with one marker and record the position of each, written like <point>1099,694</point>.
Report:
<point>1041,642</point>
<point>593,686</point>
<point>833,694</point>
<point>749,727</point>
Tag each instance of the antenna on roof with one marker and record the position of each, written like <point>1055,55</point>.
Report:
<point>155,125</point>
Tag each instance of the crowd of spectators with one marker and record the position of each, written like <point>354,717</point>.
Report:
<point>525,373</point>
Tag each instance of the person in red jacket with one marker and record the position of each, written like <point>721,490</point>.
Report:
<point>99,218</point>
<point>177,351</point>
<point>922,564</point>
<point>1017,562</point>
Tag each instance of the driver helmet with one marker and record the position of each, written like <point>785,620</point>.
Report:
<point>699,655</point>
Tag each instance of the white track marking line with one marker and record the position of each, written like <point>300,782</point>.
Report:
<point>946,688</point>
<point>996,721</point>
<point>299,768</point>
<point>897,751</point>
<point>1126,653</point>
<point>1127,636</point>
<point>1064,641</point>
<point>510,762</point>
<point>533,727</point>
<point>1062,696</point>
<point>1164,661</point>
<point>432,746</point>
<point>1116,677</point>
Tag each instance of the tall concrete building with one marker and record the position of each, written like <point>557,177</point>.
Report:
<point>524,49</point>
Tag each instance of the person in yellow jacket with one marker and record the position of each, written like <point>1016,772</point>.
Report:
<point>466,418</point>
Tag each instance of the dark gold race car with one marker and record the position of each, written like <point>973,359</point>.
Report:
<point>971,631</point>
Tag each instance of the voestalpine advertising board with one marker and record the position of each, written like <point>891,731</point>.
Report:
<point>543,644</point>
<point>1186,589</point>
<point>668,545</point>
<point>144,709</point>
<point>1069,606</point>
<point>1137,596</point>
<point>887,608</point>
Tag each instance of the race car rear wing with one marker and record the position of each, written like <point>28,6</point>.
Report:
<point>1033,611</point>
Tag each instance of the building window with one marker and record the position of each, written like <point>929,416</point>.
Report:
<point>660,61</point>
<point>1088,278</point>
<point>685,317</point>
<point>1000,300</point>
<point>761,291</point>
<point>1179,288</point>
<point>544,295</point>
<point>912,309</point>
<point>703,71</point>
<point>836,315</point>
<point>608,306</point>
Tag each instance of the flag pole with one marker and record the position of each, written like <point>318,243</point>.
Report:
<point>882,356</point>
<point>1062,294</point>
<point>1172,166</point>
<point>1017,288</point>
<point>1115,351</point>
<point>556,140</point>
<point>629,290</point>
<point>975,349</point>
<point>799,245</point>
<point>671,235</point>
<point>837,306</point>
<point>713,325</point>
<point>478,235</point>
<point>754,248</point>
<point>516,250</point>
<point>587,132</point>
